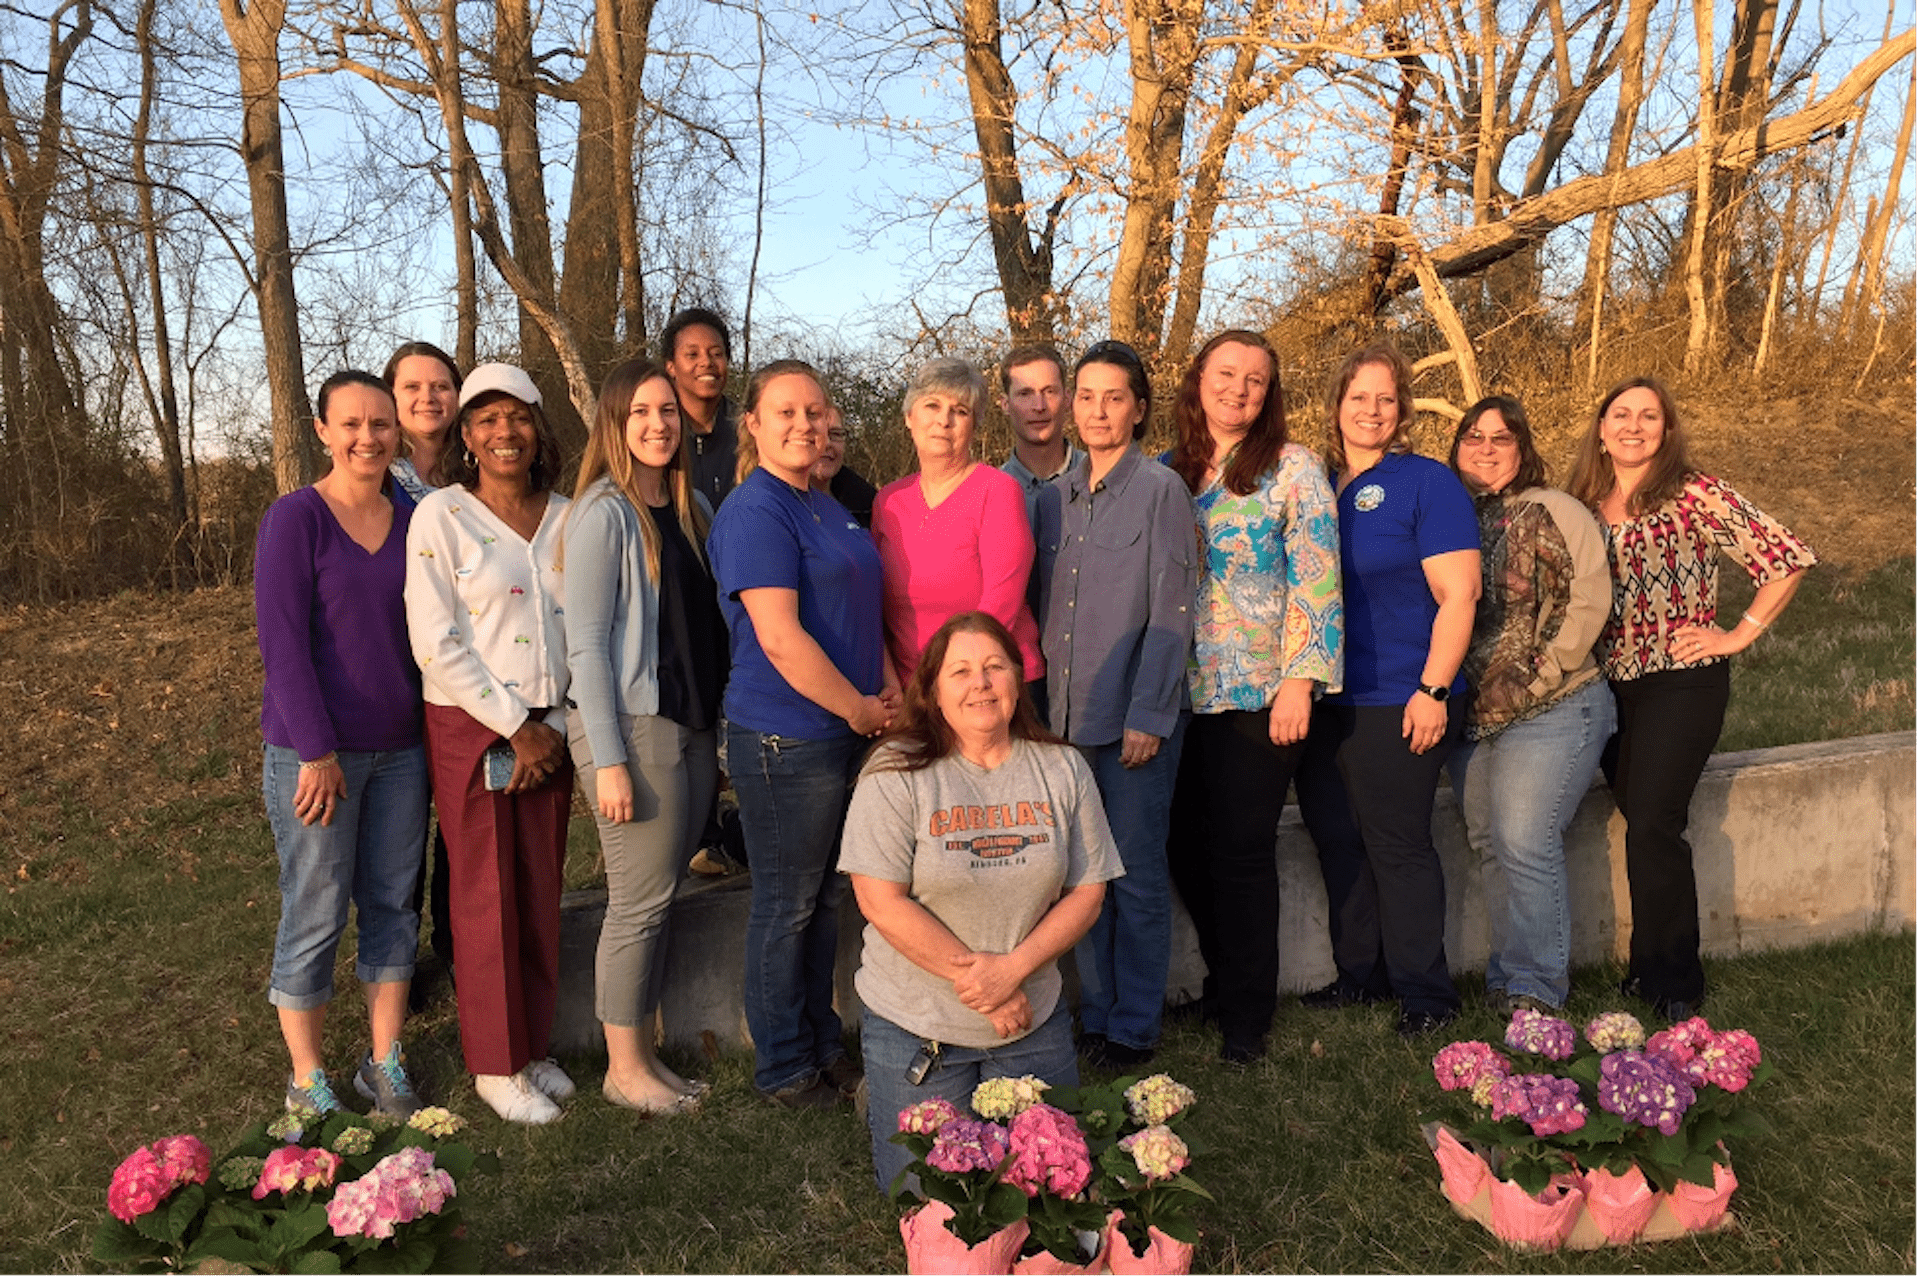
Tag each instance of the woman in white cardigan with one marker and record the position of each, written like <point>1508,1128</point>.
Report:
<point>484,621</point>
<point>646,645</point>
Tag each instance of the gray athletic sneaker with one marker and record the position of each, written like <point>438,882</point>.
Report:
<point>315,1095</point>
<point>385,1082</point>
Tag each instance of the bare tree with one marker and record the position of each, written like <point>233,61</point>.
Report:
<point>254,29</point>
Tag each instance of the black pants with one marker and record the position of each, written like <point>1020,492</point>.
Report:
<point>440,900</point>
<point>1669,724</point>
<point>1227,799</point>
<point>1367,800</point>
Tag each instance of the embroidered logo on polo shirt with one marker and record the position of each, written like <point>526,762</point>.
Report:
<point>1369,497</point>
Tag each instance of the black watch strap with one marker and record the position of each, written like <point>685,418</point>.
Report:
<point>1438,692</point>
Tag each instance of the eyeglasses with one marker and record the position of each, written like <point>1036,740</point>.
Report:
<point>1476,439</point>
<point>1112,352</point>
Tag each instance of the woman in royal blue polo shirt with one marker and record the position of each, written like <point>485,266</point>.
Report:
<point>799,583</point>
<point>1410,573</point>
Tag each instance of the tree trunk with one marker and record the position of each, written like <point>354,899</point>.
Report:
<point>254,31</point>
<point>1022,252</point>
<point>524,180</point>
<point>166,419</point>
<point>1698,319</point>
<point>466,277</point>
<point>1626,115</point>
<point>1873,244</point>
<point>1162,45</point>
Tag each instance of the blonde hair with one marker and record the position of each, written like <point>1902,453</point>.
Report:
<point>746,450</point>
<point>607,454</point>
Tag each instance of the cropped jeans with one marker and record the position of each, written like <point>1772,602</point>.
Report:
<point>793,800</point>
<point>1123,958</point>
<point>368,857</point>
<point>1519,790</point>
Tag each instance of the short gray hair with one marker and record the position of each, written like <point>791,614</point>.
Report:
<point>947,375</point>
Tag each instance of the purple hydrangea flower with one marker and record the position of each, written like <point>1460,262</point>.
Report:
<point>1548,1105</point>
<point>967,1145</point>
<point>1538,1034</point>
<point>1645,1089</point>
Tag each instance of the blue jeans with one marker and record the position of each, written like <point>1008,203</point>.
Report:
<point>887,1050</point>
<point>1519,790</point>
<point>793,798</point>
<point>1123,958</point>
<point>368,857</point>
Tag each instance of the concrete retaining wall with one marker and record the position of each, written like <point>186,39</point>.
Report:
<point>1791,845</point>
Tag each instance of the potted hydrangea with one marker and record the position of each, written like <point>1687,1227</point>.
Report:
<point>300,1194</point>
<point>1050,1180</point>
<point>1606,1136</point>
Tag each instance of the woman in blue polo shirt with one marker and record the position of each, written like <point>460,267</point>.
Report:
<point>1410,573</point>
<point>800,586</point>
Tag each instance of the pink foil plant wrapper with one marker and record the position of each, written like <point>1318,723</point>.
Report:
<point>1164,1254</point>
<point>1698,1208</point>
<point>1539,1223</point>
<point>1462,1171</point>
<point>932,1248</point>
<point>1620,1205</point>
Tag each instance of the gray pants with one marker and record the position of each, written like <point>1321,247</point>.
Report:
<point>674,772</point>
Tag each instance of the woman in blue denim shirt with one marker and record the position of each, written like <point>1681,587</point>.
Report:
<point>1121,524</point>
<point>800,587</point>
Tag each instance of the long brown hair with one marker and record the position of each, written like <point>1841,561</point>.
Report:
<point>1256,452</point>
<point>607,454</point>
<point>1388,356</point>
<point>1593,477</point>
<point>746,449</point>
<point>922,731</point>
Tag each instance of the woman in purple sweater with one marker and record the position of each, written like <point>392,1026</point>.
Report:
<point>345,775</point>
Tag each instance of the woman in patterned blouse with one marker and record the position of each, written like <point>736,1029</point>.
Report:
<point>1538,712</point>
<point>1267,634</point>
<point>1666,524</point>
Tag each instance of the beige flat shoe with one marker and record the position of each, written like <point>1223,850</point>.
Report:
<point>617,1098</point>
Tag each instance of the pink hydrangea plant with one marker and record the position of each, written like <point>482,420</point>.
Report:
<point>150,1175</point>
<point>1049,1153</point>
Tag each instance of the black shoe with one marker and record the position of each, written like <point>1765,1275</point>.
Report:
<point>1675,1009</point>
<point>1243,1052</point>
<point>1120,1057</point>
<point>1339,994</point>
<point>815,1093</point>
<point>1417,1024</point>
<point>1091,1045</point>
<point>843,1075</point>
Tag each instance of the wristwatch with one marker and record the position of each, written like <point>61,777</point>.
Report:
<point>1438,692</point>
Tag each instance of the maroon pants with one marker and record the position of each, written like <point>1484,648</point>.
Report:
<point>506,852</point>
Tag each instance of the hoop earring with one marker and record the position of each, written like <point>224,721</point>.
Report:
<point>466,455</point>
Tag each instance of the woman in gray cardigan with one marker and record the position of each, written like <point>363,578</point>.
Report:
<point>646,646</point>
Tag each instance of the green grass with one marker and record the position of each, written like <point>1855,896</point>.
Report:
<point>135,941</point>
<point>131,1003</point>
<point>1838,663</point>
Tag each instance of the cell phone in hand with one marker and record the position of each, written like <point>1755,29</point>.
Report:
<point>498,764</point>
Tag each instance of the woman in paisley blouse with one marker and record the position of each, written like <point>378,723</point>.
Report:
<point>1666,656</point>
<point>1538,712</point>
<point>1267,633</point>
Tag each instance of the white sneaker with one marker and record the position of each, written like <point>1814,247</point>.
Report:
<point>514,1099</point>
<point>549,1079</point>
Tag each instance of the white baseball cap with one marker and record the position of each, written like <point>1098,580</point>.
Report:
<point>502,378</point>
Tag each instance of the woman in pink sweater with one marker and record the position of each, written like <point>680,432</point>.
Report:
<point>953,536</point>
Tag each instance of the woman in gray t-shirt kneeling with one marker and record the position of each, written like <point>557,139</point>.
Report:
<point>979,853</point>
